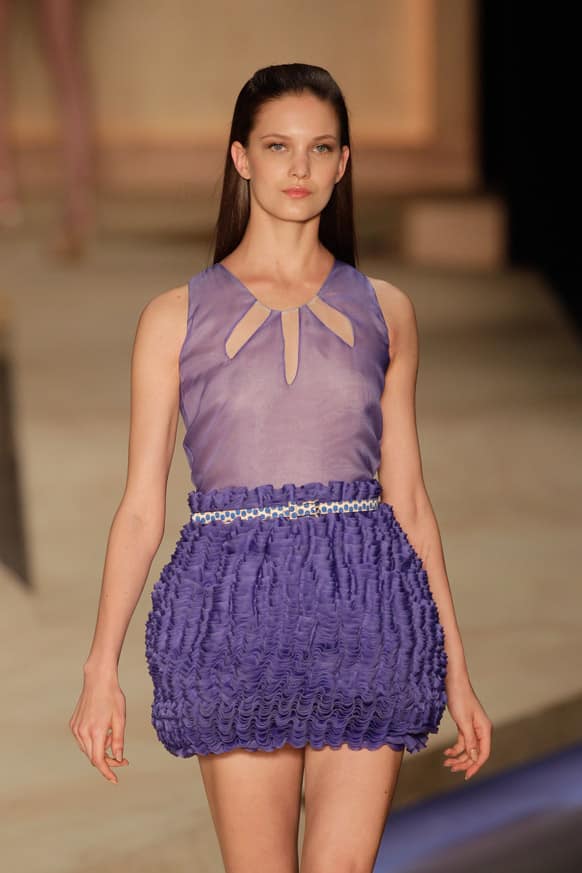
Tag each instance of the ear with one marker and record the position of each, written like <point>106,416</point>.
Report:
<point>343,163</point>
<point>239,157</point>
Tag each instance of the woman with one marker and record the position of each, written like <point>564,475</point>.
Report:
<point>293,631</point>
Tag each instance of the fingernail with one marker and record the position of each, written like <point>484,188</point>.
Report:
<point>118,756</point>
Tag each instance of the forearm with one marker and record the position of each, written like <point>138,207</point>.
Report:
<point>423,532</point>
<point>131,547</point>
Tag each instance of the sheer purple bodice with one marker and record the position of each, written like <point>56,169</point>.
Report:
<point>278,396</point>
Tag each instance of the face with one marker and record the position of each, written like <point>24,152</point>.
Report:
<point>294,144</point>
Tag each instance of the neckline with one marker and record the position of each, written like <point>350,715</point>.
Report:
<point>242,285</point>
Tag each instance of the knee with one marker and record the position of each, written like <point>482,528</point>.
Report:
<point>336,863</point>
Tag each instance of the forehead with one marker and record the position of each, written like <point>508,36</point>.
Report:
<point>296,114</point>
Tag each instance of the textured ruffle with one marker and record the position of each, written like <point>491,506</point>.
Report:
<point>320,630</point>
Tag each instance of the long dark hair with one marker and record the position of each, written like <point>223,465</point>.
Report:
<point>336,223</point>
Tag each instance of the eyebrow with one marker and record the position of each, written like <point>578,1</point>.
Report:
<point>282,136</point>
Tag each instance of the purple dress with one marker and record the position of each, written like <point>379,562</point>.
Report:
<point>317,630</point>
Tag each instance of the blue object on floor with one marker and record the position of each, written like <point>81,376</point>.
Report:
<point>416,834</point>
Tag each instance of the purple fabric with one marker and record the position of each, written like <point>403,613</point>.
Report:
<point>319,630</point>
<point>245,425</point>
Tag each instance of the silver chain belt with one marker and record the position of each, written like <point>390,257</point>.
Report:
<point>287,510</point>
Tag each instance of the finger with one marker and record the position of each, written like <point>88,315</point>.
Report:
<point>458,756</point>
<point>483,729</point>
<point>484,733</point>
<point>465,761</point>
<point>80,741</point>
<point>462,759</point>
<point>98,756</point>
<point>117,737</point>
<point>113,762</point>
<point>86,741</point>
<point>462,765</point>
<point>456,749</point>
<point>472,744</point>
<point>471,741</point>
<point>453,762</point>
<point>473,766</point>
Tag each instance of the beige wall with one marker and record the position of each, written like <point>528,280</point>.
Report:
<point>165,76</point>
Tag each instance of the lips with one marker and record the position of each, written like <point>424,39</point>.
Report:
<point>297,192</point>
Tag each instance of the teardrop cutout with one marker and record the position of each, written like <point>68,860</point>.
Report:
<point>290,328</point>
<point>333,319</point>
<point>245,328</point>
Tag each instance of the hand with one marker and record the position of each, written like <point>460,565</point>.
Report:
<point>473,745</point>
<point>99,713</point>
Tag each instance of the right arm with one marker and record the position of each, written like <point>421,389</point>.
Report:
<point>138,524</point>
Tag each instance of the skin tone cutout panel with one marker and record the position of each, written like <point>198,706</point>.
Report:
<point>335,320</point>
<point>290,325</point>
<point>257,314</point>
<point>245,328</point>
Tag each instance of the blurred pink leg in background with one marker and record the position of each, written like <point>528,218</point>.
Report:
<point>10,206</point>
<point>63,42</point>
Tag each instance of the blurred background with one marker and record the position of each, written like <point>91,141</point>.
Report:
<point>114,119</point>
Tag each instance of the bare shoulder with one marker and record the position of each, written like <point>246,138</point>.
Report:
<point>393,300</point>
<point>162,321</point>
<point>167,306</point>
<point>397,308</point>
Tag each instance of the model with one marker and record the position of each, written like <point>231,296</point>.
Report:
<point>304,626</point>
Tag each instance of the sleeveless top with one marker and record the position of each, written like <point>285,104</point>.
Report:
<point>282,395</point>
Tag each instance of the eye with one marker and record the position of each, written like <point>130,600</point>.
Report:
<point>321,145</point>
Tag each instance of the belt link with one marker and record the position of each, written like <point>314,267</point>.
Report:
<point>307,504</point>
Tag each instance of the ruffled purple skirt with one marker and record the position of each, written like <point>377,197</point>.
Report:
<point>319,630</point>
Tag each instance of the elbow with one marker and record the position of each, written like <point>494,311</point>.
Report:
<point>412,505</point>
<point>153,534</point>
<point>421,503</point>
<point>147,527</point>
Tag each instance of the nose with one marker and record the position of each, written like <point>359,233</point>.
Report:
<point>300,167</point>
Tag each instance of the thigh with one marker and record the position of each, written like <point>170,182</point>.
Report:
<point>348,794</point>
<point>255,803</point>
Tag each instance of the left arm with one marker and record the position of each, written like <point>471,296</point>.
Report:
<point>400,472</point>
<point>402,483</point>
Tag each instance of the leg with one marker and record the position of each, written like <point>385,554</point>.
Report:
<point>255,803</point>
<point>62,39</point>
<point>348,795</point>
